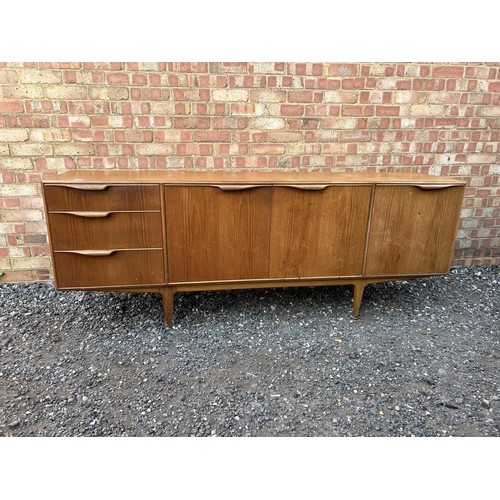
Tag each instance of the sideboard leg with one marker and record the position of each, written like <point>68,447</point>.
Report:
<point>168,303</point>
<point>358,295</point>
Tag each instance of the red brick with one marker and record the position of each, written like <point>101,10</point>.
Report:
<point>448,71</point>
<point>12,202</point>
<point>173,136</point>
<point>192,122</point>
<point>292,110</point>
<point>353,83</point>
<point>242,109</point>
<point>300,69</point>
<point>8,76</point>
<point>355,110</point>
<point>343,69</point>
<point>403,84</point>
<point>251,162</point>
<point>17,276</point>
<point>212,136</point>
<point>322,110</point>
<point>230,149</point>
<point>194,149</point>
<point>494,87</point>
<point>229,123</point>
<point>388,110</point>
<point>118,78</point>
<point>317,69</point>
<point>300,96</point>
<point>267,149</point>
<point>39,251</point>
<point>11,107</point>
<point>424,71</point>
<point>133,136</point>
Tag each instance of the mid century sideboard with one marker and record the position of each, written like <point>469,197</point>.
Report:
<point>170,231</point>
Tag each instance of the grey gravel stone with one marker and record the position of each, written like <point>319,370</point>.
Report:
<point>421,360</point>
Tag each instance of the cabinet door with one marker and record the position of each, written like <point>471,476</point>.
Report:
<point>318,232</point>
<point>413,229</point>
<point>217,233</point>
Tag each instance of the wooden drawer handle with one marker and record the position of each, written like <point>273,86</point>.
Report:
<point>84,187</point>
<point>237,187</point>
<point>90,253</point>
<point>307,187</point>
<point>431,187</point>
<point>242,187</point>
<point>89,214</point>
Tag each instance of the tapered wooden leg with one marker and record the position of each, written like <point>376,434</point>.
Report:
<point>168,303</point>
<point>358,295</point>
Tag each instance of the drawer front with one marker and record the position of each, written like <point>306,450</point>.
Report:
<point>119,268</point>
<point>104,230</point>
<point>102,197</point>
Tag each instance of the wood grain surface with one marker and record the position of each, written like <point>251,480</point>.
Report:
<point>114,230</point>
<point>318,233</point>
<point>124,268</point>
<point>412,230</point>
<point>214,234</point>
<point>62,198</point>
<point>284,176</point>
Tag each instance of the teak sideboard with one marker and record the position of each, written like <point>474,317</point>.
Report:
<point>170,231</point>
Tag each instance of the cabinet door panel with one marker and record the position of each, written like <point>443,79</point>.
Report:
<point>319,233</point>
<point>215,234</point>
<point>412,230</point>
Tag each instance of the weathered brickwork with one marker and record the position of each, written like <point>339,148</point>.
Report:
<point>438,118</point>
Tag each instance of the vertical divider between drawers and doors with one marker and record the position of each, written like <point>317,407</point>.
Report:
<point>163,208</point>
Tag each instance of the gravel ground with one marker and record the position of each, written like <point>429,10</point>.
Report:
<point>421,360</point>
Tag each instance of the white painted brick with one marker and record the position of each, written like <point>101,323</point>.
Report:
<point>230,95</point>
<point>30,262</point>
<point>13,135</point>
<point>4,264</point>
<point>426,110</point>
<point>16,163</point>
<point>18,190</point>
<point>40,76</point>
<point>268,123</point>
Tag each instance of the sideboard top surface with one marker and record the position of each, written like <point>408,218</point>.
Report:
<point>245,177</point>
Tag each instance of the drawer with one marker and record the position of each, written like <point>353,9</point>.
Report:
<point>102,197</point>
<point>108,268</point>
<point>105,230</point>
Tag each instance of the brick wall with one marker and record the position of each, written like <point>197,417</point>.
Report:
<point>422,117</point>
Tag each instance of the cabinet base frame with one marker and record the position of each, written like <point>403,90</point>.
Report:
<point>168,291</point>
<point>358,284</point>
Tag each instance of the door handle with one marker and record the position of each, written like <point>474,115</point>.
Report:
<point>88,214</point>
<point>237,187</point>
<point>84,187</point>
<point>307,187</point>
<point>90,253</point>
<point>242,187</point>
<point>432,187</point>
